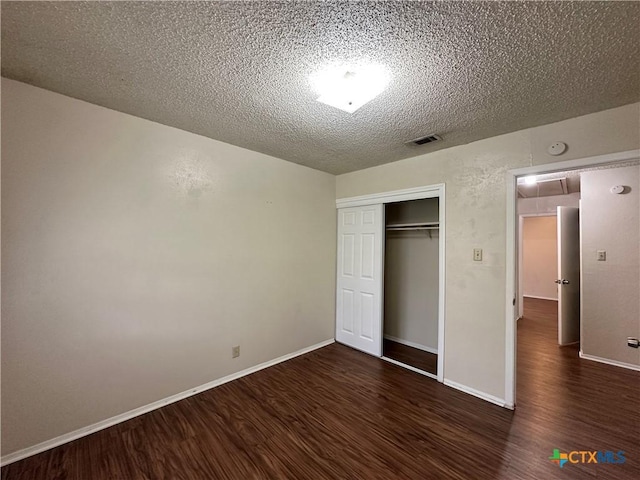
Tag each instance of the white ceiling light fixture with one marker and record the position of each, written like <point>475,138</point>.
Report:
<point>349,87</point>
<point>530,180</point>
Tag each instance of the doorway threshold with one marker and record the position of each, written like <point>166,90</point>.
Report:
<point>409,367</point>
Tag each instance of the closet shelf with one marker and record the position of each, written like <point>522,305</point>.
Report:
<point>414,226</point>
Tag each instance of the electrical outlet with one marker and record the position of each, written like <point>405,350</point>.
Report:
<point>235,351</point>
<point>477,254</point>
<point>602,255</point>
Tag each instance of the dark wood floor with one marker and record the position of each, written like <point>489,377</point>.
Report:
<point>338,413</point>
<point>414,357</point>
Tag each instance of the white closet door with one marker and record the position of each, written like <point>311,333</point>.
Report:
<point>359,296</point>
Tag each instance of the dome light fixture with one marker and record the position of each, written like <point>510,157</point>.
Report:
<point>349,87</point>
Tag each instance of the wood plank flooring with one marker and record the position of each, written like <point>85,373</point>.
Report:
<point>414,357</point>
<point>337,413</point>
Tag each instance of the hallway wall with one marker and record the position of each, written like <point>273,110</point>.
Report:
<point>540,257</point>
<point>610,299</point>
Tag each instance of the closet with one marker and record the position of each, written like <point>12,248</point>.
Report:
<point>390,277</point>
<point>411,284</point>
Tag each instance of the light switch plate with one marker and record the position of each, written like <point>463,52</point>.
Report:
<point>602,255</point>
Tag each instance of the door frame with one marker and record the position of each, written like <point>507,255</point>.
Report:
<point>512,250</point>
<point>419,193</point>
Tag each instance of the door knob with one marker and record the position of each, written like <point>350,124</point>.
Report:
<point>563,282</point>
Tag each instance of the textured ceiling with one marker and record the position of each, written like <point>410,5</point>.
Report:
<point>239,71</point>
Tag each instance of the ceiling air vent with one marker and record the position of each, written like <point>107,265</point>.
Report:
<point>427,139</point>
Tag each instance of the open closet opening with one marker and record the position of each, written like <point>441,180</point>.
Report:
<point>411,284</point>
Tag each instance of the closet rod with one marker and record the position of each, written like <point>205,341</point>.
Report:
<point>413,228</point>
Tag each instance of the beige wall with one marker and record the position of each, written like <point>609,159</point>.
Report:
<point>411,287</point>
<point>540,257</point>
<point>136,255</point>
<point>537,206</point>
<point>610,289</point>
<point>474,175</point>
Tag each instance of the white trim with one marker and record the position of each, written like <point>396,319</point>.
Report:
<point>511,291</point>
<point>409,367</point>
<point>511,260</point>
<point>615,363</point>
<point>581,279</point>
<point>412,344</point>
<point>577,163</point>
<point>544,214</point>
<point>519,310</point>
<point>82,432</point>
<point>477,393</point>
<point>442,276</point>
<point>541,298</point>
<point>418,193</point>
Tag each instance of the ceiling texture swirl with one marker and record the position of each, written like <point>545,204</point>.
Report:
<point>239,72</point>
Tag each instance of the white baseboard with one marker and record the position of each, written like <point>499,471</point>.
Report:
<point>541,298</point>
<point>412,344</point>
<point>409,367</point>
<point>615,363</point>
<point>477,393</point>
<point>109,422</point>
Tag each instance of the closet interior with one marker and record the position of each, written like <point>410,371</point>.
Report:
<point>411,279</point>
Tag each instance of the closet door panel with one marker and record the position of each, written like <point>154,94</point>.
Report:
<point>367,256</point>
<point>347,311</point>
<point>367,315</point>
<point>348,258</point>
<point>359,282</point>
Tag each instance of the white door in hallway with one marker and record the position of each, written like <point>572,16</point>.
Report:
<point>359,278</point>
<point>568,275</point>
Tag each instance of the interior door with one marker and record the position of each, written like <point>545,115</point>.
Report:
<point>359,282</point>
<point>568,275</point>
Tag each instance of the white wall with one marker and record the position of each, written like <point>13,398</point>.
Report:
<point>610,289</point>
<point>474,175</point>
<point>136,255</point>
<point>540,257</point>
